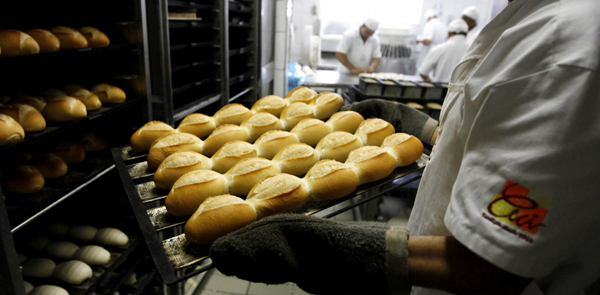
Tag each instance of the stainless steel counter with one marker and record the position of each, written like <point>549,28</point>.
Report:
<point>335,79</point>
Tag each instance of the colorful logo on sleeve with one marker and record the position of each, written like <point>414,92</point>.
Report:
<point>515,212</point>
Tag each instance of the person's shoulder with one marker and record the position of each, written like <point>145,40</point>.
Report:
<point>577,33</point>
<point>375,39</point>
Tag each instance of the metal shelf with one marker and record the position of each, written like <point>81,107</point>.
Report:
<point>188,4</point>
<point>237,7</point>
<point>21,60</point>
<point>191,65</point>
<point>240,78</point>
<point>188,23</point>
<point>192,85</point>
<point>195,106</point>
<point>190,45</point>
<point>240,94</point>
<point>238,51</point>
<point>240,25</point>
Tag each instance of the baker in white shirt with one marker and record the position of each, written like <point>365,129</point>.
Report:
<point>471,16</point>
<point>442,58</point>
<point>359,50</point>
<point>508,201</point>
<point>435,32</point>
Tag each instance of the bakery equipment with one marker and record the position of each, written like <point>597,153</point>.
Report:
<point>398,50</point>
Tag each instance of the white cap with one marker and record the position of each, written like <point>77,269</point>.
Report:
<point>430,13</point>
<point>471,12</point>
<point>458,26</point>
<point>372,24</point>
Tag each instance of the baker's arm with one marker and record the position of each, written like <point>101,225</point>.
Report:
<point>343,58</point>
<point>374,63</point>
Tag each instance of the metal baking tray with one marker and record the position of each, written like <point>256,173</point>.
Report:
<point>164,233</point>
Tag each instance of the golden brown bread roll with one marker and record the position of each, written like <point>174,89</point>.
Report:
<point>178,164</point>
<point>109,93</point>
<point>260,123</point>
<point>233,113</point>
<point>272,104</point>
<point>294,113</point>
<point>326,104</point>
<point>50,93</point>
<point>64,109</point>
<point>169,144</point>
<point>94,37</point>
<point>145,135</point>
<point>310,131</point>
<point>278,193</point>
<point>296,159</point>
<point>271,142</point>
<point>338,145</point>
<point>11,131</point>
<point>347,121</point>
<point>90,100</point>
<point>247,172</point>
<point>92,142</point>
<point>35,101</point>
<point>45,39</point>
<point>15,42</point>
<point>405,148</point>
<point>222,135</point>
<point>69,152</point>
<point>374,131</point>
<point>301,94</point>
<point>198,124</point>
<point>415,105</point>
<point>330,180</point>
<point>231,153</point>
<point>28,117</point>
<point>50,165</point>
<point>216,217</point>
<point>192,189</point>
<point>69,38</point>
<point>371,163</point>
<point>24,179</point>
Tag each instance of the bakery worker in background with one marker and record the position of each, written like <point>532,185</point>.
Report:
<point>508,201</point>
<point>471,16</point>
<point>434,33</point>
<point>359,50</point>
<point>441,60</point>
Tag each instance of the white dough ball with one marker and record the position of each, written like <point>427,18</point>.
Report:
<point>73,272</point>
<point>94,255</point>
<point>38,268</point>
<point>111,236</point>
<point>48,290</point>
<point>61,249</point>
<point>28,286</point>
<point>83,232</point>
<point>58,228</point>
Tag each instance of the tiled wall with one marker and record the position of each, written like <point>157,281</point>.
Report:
<point>281,46</point>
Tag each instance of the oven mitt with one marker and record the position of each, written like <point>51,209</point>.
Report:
<point>404,118</point>
<point>321,256</point>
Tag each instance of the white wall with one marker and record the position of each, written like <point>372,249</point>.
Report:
<point>303,14</point>
<point>451,10</point>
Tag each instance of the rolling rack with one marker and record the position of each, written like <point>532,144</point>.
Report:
<point>175,258</point>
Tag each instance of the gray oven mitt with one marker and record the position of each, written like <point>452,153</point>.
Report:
<point>321,256</point>
<point>404,118</point>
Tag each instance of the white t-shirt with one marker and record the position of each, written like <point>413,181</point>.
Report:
<point>520,133</point>
<point>359,53</point>
<point>473,34</point>
<point>435,31</point>
<point>443,58</point>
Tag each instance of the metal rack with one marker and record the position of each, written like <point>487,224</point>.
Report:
<point>175,258</point>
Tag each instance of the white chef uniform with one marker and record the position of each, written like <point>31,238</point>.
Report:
<point>359,53</point>
<point>514,175</point>
<point>473,34</point>
<point>443,58</point>
<point>435,31</point>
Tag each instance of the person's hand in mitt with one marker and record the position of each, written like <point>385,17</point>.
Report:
<point>402,117</point>
<point>321,256</point>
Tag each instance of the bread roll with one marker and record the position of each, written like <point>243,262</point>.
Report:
<point>11,131</point>
<point>64,109</point>
<point>233,113</point>
<point>69,38</point>
<point>190,190</point>
<point>198,124</point>
<point>45,39</point>
<point>371,163</point>
<point>24,179</point>
<point>260,123</point>
<point>21,257</point>
<point>277,194</point>
<point>109,93</point>
<point>92,142</point>
<point>301,94</point>
<point>51,93</point>
<point>58,228</point>
<point>270,143</point>
<point>92,254</point>
<point>248,172</point>
<point>295,113</point>
<point>35,101</point>
<point>85,233</point>
<point>28,117</point>
<point>15,42</point>
<point>326,104</point>
<point>73,272</point>
<point>222,135</point>
<point>94,37</point>
<point>130,279</point>
<point>338,145</point>
<point>143,137</point>
<point>111,236</point>
<point>330,180</point>
<point>48,290</point>
<point>434,106</point>
<point>69,152</point>
<point>296,159</point>
<point>38,243</point>
<point>73,87</point>
<point>90,100</point>
<point>310,131</point>
<point>231,153</point>
<point>272,104</point>
<point>178,164</point>
<point>405,148</point>
<point>28,286</point>
<point>374,131</point>
<point>218,216</point>
<point>415,105</point>
<point>50,165</point>
<point>61,249</point>
<point>347,121</point>
<point>169,144</point>
<point>40,268</point>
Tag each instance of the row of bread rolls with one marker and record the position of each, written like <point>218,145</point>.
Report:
<point>15,42</point>
<point>300,103</point>
<point>326,180</point>
<point>224,156</point>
